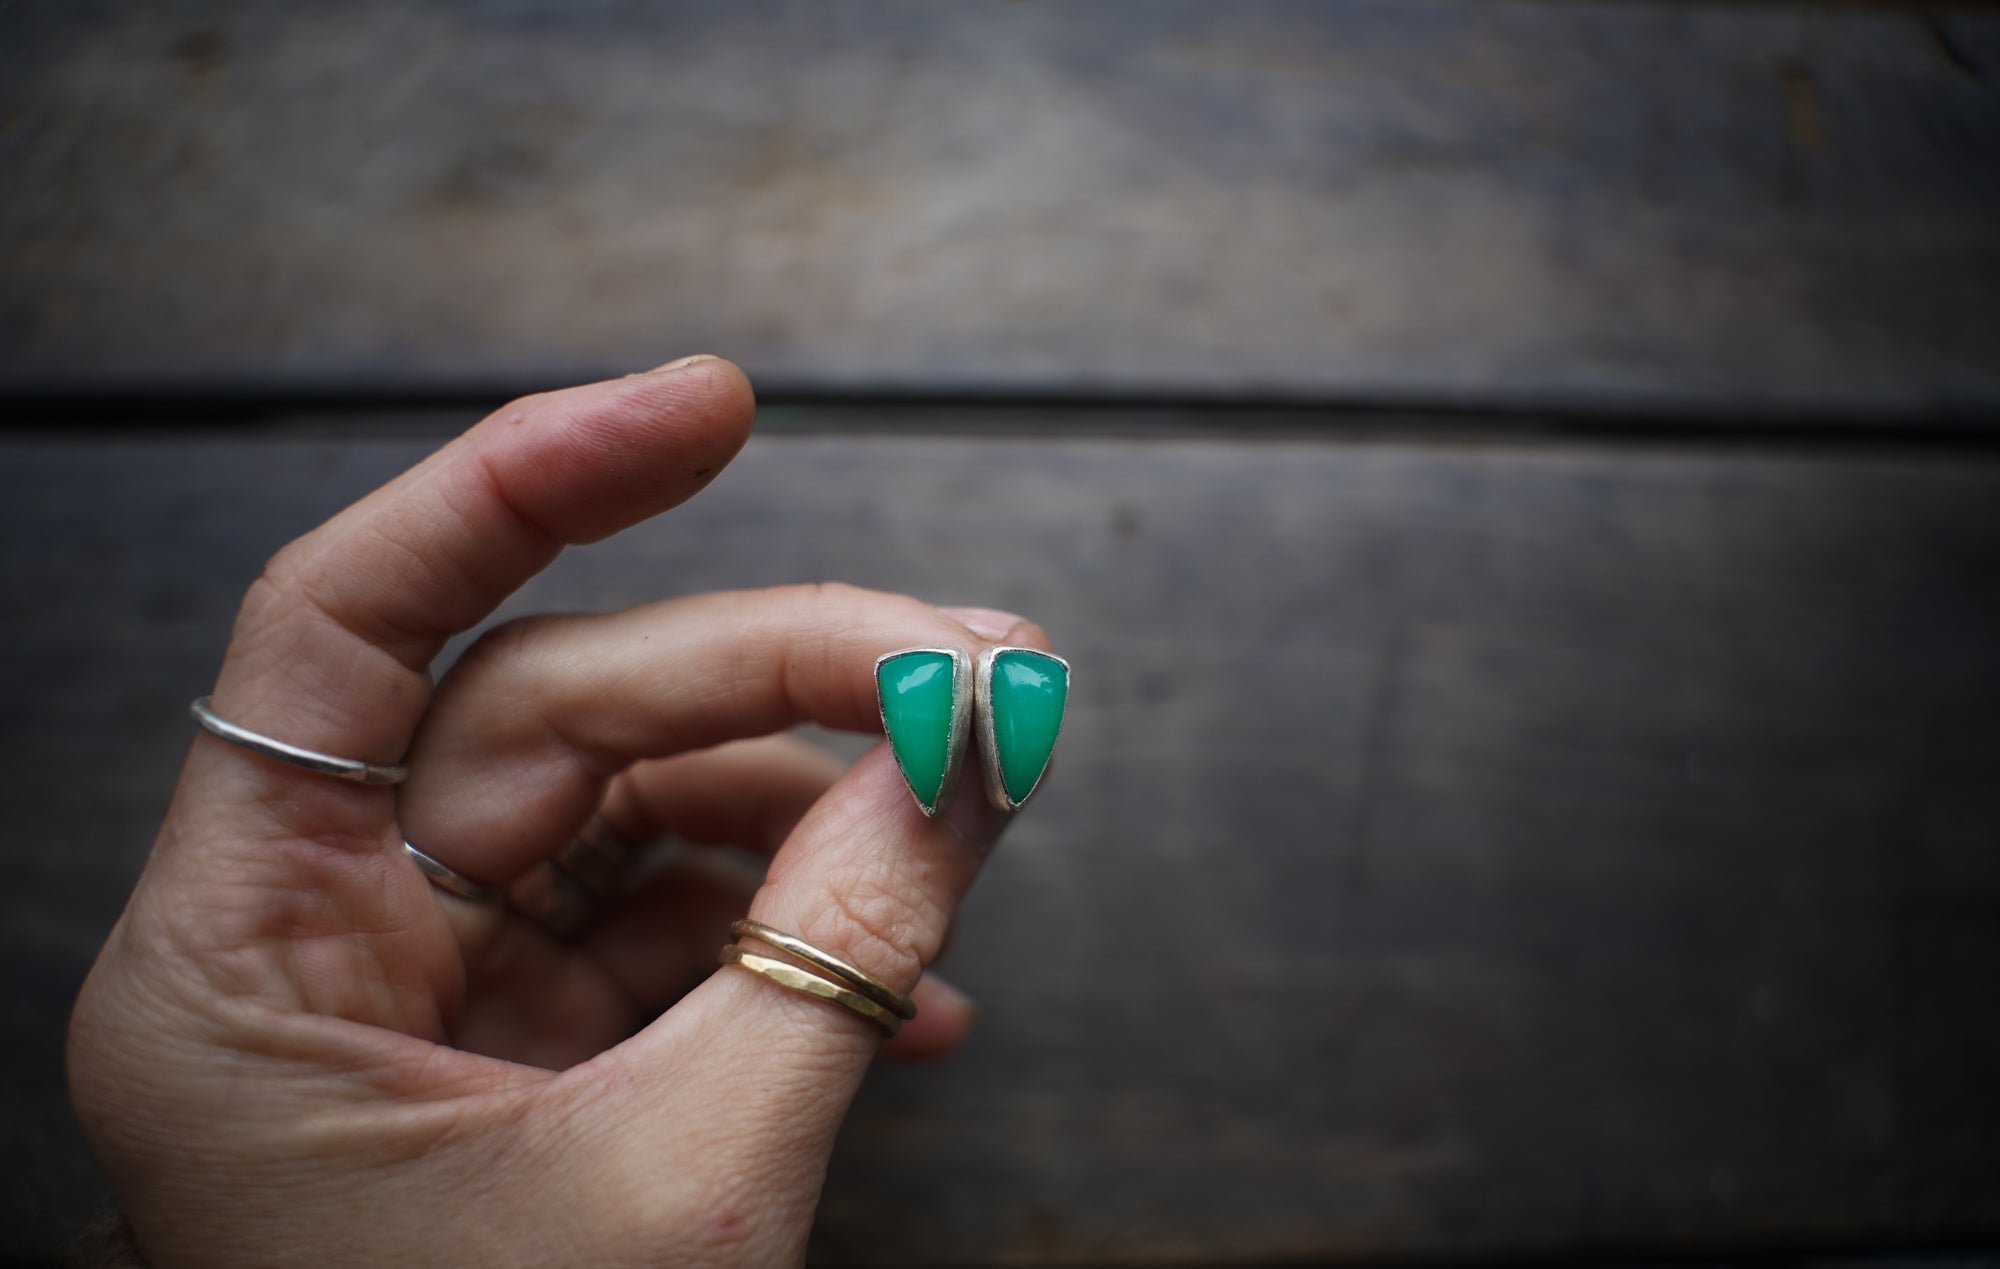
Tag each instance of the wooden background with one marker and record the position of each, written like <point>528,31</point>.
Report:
<point>1697,207</point>
<point>1517,480</point>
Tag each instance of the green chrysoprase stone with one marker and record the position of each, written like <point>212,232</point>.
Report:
<point>916,690</point>
<point>1028,694</point>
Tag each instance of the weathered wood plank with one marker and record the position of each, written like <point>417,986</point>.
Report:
<point>1455,850</point>
<point>1643,206</point>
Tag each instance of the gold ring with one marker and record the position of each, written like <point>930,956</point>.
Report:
<point>859,979</point>
<point>786,974</point>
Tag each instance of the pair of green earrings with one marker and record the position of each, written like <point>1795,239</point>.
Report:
<point>929,697</point>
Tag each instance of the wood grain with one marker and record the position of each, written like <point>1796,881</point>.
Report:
<point>1454,851</point>
<point>1771,211</point>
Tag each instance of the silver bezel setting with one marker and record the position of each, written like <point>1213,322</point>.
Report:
<point>961,722</point>
<point>989,748</point>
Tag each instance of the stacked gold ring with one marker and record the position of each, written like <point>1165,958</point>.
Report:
<point>841,982</point>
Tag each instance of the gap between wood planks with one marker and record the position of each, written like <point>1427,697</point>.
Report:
<point>334,412</point>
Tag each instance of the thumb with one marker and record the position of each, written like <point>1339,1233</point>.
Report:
<point>765,1075</point>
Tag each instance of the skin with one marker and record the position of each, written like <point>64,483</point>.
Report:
<point>294,1050</point>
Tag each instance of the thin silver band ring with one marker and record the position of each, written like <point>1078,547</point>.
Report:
<point>323,763</point>
<point>451,880</point>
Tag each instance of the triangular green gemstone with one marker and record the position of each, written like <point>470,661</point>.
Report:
<point>917,694</point>
<point>1028,694</point>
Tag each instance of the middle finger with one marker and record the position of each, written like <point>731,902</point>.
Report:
<point>532,724</point>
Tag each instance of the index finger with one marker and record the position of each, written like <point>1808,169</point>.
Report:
<point>333,642</point>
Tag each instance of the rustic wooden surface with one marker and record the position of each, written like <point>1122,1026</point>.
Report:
<point>1456,850</point>
<point>1469,843</point>
<point>1769,210</point>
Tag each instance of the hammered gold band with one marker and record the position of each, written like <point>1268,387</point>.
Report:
<point>853,975</point>
<point>786,974</point>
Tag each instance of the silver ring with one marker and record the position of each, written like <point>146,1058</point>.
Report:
<point>451,880</point>
<point>323,763</point>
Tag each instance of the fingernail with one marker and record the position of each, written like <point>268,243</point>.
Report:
<point>682,364</point>
<point>987,623</point>
<point>945,996</point>
<point>972,814</point>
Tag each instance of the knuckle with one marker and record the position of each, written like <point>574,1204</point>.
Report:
<point>281,579</point>
<point>520,410</point>
<point>314,580</point>
<point>276,611</point>
<point>511,641</point>
<point>875,924</point>
<point>840,596</point>
<point>287,564</point>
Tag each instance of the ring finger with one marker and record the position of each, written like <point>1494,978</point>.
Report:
<point>552,1002</point>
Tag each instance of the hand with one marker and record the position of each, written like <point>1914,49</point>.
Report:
<point>293,1049</point>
